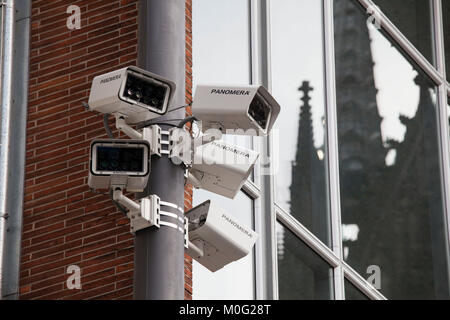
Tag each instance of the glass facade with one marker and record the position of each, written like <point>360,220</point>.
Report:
<point>302,274</point>
<point>230,64</point>
<point>414,19</point>
<point>358,205</point>
<point>298,85</point>
<point>391,197</point>
<point>352,293</point>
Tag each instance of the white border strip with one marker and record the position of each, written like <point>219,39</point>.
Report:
<point>171,205</point>
<point>172,215</point>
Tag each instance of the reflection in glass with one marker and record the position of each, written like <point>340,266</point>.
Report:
<point>352,293</point>
<point>221,48</point>
<point>237,280</point>
<point>391,198</point>
<point>302,274</point>
<point>299,133</point>
<point>446,22</point>
<point>414,19</point>
<point>221,55</point>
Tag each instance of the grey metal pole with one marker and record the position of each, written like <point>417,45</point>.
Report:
<point>5,137</point>
<point>159,254</point>
<point>18,130</point>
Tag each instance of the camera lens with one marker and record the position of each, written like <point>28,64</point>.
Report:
<point>148,92</point>
<point>114,164</point>
<point>114,154</point>
<point>120,159</point>
<point>259,111</point>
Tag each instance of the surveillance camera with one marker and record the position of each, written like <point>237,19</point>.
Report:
<point>220,237</point>
<point>119,163</point>
<point>137,94</point>
<point>249,110</point>
<point>222,168</point>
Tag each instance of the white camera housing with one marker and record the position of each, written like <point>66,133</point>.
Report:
<point>119,163</point>
<point>222,168</point>
<point>249,110</point>
<point>221,237</point>
<point>137,94</point>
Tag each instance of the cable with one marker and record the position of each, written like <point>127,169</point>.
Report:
<point>153,122</point>
<point>86,105</point>
<point>106,125</point>
<point>178,108</point>
<point>187,120</point>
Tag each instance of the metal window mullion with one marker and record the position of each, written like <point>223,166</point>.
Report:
<point>251,189</point>
<point>288,221</point>
<point>444,141</point>
<point>400,39</point>
<point>259,288</point>
<point>439,37</point>
<point>266,254</point>
<point>332,145</point>
<point>443,124</point>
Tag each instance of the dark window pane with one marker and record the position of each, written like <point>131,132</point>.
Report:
<point>413,19</point>
<point>297,84</point>
<point>302,274</point>
<point>352,293</point>
<point>391,197</point>
<point>446,22</point>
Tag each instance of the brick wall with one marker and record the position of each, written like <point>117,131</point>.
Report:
<point>64,223</point>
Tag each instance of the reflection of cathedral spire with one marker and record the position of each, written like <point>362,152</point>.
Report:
<point>308,188</point>
<point>308,205</point>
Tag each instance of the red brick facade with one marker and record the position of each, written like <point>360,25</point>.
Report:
<point>64,223</point>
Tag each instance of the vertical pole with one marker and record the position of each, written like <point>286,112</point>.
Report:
<point>18,130</point>
<point>5,136</point>
<point>159,253</point>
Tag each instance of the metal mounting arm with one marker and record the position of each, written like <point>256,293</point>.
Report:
<point>143,214</point>
<point>195,251</point>
<point>127,129</point>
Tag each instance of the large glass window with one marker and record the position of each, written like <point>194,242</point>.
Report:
<point>391,197</point>
<point>221,55</point>
<point>414,19</point>
<point>352,293</point>
<point>298,86</point>
<point>237,279</point>
<point>302,274</point>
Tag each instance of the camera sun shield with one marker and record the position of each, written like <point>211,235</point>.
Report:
<point>248,110</point>
<point>135,93</point>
